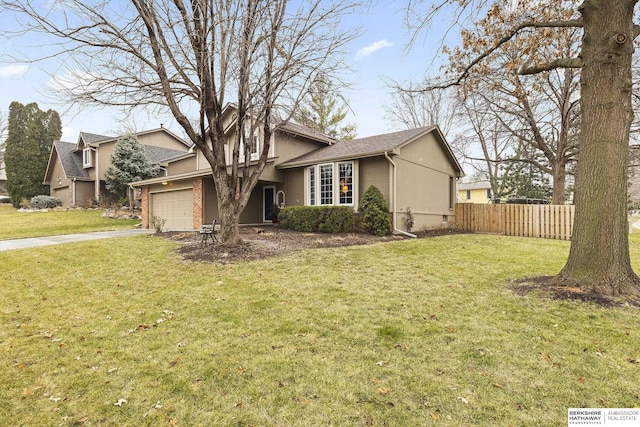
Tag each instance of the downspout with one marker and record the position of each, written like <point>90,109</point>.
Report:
<point>396,229</point>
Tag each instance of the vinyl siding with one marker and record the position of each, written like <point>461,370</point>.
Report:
<point>423,172</point>
<point>375,171</point>
<point>294,187</point>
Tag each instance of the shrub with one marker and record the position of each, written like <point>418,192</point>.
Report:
<point>45,202</point>
<point>409,219</point>
<point>158,223</point>
<point>324,219</point>
<point>375,212</point>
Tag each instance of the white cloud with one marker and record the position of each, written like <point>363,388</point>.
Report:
<point>372,48</point>
<point>13,71</point>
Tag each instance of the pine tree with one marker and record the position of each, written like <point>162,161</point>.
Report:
<point>30,136</point>
<point>129,163</point>
<point>324,113</point>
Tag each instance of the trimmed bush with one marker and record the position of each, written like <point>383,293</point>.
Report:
<point>324,219</point>
<point>45,202</point>
<point>375,212</point>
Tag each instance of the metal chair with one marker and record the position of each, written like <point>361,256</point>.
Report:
<point>208,232</point>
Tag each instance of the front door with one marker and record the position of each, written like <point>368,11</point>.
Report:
<point>269,198</point>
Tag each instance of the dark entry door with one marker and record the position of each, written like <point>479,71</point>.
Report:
<point>269,197</point>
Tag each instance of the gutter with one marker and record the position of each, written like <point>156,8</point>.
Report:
<point>397,230</point>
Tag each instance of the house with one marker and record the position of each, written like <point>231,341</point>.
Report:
<point>3,179</point>
<point>474,192</point>
<point>76,171</point>
<point>413,168</point>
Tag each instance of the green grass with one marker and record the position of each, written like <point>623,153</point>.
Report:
<point>16,225</point>
<point>418,332</point>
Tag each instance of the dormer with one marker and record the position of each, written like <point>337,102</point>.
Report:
<point>88,157</point>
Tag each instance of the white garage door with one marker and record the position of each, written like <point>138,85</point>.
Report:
<point>175,207</point>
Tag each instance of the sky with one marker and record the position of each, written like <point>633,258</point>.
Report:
<point>377,56</point>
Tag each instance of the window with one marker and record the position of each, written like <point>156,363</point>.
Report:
<point>345,175</point>
<point>326,184</point>
<point>312,186</point>
<point>324,189</point>
<point>254,147</point>
<point>468,194</point>
<point>452,192</point>
<point>87,158</point>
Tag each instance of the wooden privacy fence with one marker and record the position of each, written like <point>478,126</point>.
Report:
<point>544,221</point>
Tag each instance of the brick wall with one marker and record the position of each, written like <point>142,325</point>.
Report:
<point>197,202</point>
<point>145,207</point>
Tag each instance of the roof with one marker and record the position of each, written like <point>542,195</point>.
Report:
<point>369,147</point>
<point>477,185</point>
<point>71,159</point>
<point>92,138</point>
<point>159,154</point>
<point>306,132</point>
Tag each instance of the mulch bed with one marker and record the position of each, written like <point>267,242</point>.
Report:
<point>544,285</point>
<point>269,241</point>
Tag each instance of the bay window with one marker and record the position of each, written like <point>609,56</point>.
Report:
<point>330,184</point>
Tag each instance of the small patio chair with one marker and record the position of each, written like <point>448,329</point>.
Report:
<point>208,232</point>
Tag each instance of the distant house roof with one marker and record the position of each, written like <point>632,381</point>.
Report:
<point>70,159</point>
<point>369,147</point>
<point>477,185</point>
<point>159,154</point>
<point>92,138</point>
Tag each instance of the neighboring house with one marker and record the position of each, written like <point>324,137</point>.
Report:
<point>474,192</point>
<point>414,168</point>
<point>3,179</point>
<point>634,174</point>
<point>76,171</point>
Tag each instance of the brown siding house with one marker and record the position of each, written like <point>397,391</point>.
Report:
<point>413,169</point>
<point>76,171</point>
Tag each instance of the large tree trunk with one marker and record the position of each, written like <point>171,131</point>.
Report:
<point>599,256</point>
<point>559,181</point>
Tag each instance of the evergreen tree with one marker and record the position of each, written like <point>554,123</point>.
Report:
<point>129,163</point>
<point>324,113</point>
<point>30,136</point>
<point>525,180</point>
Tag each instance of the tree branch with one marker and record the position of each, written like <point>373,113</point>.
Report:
<point>526,24</point>
<point>557,63</point>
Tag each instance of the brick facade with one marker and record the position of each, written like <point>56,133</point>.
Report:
<point>198,186</point>
<point>145,207</point>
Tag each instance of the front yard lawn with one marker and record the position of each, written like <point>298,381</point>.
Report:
<point>17,225</point>
<point>417,332</point>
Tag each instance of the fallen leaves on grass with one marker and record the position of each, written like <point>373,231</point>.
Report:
<point>120,402</point>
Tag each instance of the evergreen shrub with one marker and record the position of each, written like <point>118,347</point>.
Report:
<point>323,219</point>
<point>374,212</point>
<point>45,202</point>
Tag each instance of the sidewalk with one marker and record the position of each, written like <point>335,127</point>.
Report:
<point>31,242</point>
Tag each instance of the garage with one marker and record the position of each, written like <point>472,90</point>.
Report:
<point>175,207</point>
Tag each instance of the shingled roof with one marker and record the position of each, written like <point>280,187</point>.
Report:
<point>71,159</point>
<point>358,148</point>
<point>90,138</point>
<point>159,154</point>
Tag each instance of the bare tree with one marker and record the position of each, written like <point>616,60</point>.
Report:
<point>410,107</point>
<point>599,256</point>
<point>191,57</point>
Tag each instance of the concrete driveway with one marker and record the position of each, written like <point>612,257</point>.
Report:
<point>32,242</point>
